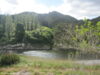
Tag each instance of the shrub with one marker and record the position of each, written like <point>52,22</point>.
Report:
<point>9,59</point>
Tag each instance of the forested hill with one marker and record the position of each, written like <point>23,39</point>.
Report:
<point>95,20</point>
<point>50,20</point>
<point>30,19</point>
<point>30,27</point>
<point>54,18</point>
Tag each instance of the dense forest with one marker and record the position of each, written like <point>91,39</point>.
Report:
<point>53,29</point>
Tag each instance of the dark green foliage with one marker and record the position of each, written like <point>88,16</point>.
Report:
<point>9,59</point>
<point>19,33</point>
<point>1,31</point>
<point>42,35</point>
<point>27,28</point>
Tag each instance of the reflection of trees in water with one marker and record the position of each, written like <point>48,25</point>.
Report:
<point>23,47</point>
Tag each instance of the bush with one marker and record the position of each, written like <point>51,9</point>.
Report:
<point>9,59</point>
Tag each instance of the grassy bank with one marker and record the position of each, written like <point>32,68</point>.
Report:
<point>37,66</point>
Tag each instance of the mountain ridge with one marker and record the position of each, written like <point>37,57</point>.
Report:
<point>50,19</point>
<point>28,12</point>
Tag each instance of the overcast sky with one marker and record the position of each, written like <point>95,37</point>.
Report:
<point>77,8</point>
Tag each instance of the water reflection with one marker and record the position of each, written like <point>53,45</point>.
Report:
<point>45,54</point>
<point>62,55</point>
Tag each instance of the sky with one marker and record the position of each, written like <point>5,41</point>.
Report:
<point>79,9</point>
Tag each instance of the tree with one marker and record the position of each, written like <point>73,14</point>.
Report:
<point>87,36</point>
<point>1,31</point>
<point>19,33</point>
<point>42,35</point>
<point>8,28</point>
<point>64,35</point>
<point>84,37</point>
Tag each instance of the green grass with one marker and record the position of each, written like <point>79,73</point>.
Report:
<point>38,66</point>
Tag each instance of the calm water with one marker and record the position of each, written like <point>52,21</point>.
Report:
<point>62,55</point>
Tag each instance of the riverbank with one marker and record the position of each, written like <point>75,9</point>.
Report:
<point>38,66</point>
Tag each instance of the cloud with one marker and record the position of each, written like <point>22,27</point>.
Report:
<point>6,7</point>
<point>76,8</point>
<point>30,5</point>
<point>50,3</point>
<point>81,8</point>
<point>17,6</point>
<point>12,1</point>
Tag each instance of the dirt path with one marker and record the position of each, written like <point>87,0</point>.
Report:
<point>22,73</point>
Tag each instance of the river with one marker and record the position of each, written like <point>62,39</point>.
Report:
<point>87,59</point>
<point>62,55</point>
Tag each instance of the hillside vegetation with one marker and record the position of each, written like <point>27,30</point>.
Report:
<point>53,29</point>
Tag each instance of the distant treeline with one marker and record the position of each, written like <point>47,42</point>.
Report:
<point>53,29</point>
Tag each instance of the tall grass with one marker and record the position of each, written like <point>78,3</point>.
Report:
<point>38,66</point>
<point>9,59</point>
